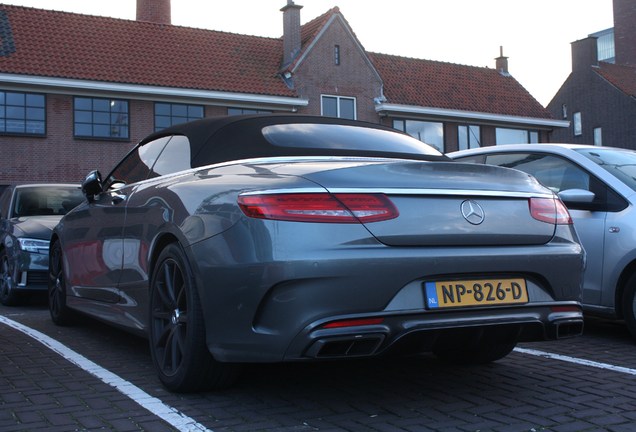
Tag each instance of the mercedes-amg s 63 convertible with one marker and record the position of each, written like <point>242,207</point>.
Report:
<point>275,238</point>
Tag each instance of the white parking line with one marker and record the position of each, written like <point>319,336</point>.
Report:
<point>578,361</point>
<point>170,415</point>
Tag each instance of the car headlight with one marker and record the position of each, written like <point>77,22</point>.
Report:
<point>34,245</point>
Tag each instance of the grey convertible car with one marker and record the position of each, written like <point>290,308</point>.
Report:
<point>276,238</point>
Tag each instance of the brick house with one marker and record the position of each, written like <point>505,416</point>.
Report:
<point>78,91</point>
<point>599,95</point>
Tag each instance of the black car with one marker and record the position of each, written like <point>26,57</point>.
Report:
<point>28,214</point>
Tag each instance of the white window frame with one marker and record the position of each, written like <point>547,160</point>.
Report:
<point>577,123</point>
<point>338,99</point>
<point>473,140</point>
<point>531,136</point>
<point>598,136</point>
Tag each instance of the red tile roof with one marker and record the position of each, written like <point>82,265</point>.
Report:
<point>620,76</point>
<point>436,84</point>
<point>310,30</point>
<point>84,47</point>
<point>68,45</point>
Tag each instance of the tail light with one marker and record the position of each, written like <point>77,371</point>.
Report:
<point>550,210</point>
<point>319,207</point>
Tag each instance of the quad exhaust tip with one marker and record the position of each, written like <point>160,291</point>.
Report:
<point>569,329</point>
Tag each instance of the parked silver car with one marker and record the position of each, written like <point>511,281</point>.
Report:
<point>28,214</point>
<point>598,185</point>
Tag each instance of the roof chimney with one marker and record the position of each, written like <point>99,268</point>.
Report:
<point>624,32</point>
<point>291,32</point>
<point>156,11</point>
<point>502,63</point>
<point>584,54</point>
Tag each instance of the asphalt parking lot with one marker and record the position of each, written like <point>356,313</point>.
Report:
<point>92,377</point>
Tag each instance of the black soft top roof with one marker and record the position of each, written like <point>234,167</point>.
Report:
<point>227,138</point>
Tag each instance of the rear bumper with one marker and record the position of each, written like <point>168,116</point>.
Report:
<point>267,304</point>
<point>419,333</point>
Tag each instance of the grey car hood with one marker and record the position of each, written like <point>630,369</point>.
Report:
<point>38,227</point>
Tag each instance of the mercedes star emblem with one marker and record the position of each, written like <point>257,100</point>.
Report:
<point>472,212</point>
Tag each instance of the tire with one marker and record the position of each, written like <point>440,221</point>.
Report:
<point>60,313</point>
<point>177,330</point>
<point>8,294</point>
<point>629,305</point>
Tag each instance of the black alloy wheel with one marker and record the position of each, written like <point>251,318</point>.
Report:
<point>177,331</point>
<point>60,313</point>
<point>8,295</point>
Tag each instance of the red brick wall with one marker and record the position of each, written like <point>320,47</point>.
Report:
<point>214,111</point>
<point>625,31</point>
<point>353,77</point>
<point>59,157</point>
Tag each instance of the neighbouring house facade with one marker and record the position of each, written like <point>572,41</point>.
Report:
<point>599,95</point>
<point>78,91</point>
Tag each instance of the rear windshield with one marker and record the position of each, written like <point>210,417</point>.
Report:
<point>344,137</point>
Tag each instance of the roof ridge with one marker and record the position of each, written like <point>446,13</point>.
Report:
<point>130,21</point>
<point>441,62</point>
<point>614,65</point>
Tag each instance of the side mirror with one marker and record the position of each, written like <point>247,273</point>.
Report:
<point>92,185</point>
<point>577,199</point>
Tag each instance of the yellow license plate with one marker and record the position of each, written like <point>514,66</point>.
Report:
<point>479,292</point>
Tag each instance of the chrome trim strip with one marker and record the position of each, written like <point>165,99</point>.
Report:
<point>408,191</point>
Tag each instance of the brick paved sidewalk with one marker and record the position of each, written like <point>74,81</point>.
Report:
<point>40,390</point>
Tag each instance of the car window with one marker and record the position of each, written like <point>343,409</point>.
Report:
<point>46,201</point>
<point>175,157</point>
<point>343,137</point>
<point>618,162</point>
<point>554,172</point>
<point>137,164</point>
<point>559,174</point>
